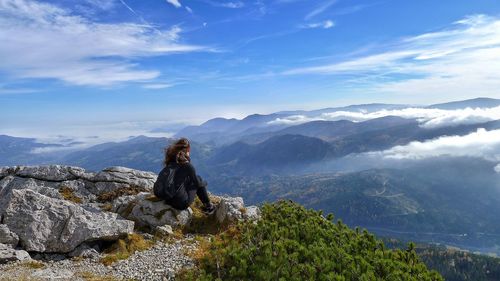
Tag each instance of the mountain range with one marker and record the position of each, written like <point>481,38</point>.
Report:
<point>319,158</point>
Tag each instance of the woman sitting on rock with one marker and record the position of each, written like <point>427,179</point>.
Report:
<point>178,182</point>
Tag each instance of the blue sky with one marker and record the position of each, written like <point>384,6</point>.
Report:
<point>92,67</point>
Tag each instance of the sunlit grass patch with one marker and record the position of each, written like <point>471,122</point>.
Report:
<point>124,248</point>
<point>68,194</point>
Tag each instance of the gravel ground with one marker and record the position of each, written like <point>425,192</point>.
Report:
<point>156,264</point>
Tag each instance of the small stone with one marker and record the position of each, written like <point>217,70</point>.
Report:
<point>164,230</point>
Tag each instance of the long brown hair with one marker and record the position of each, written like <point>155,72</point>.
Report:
<point>177,152</point>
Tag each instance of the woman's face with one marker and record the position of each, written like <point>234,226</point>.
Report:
<point>188,149</point>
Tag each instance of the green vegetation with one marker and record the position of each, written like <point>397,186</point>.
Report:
<point>293,243</point>
<point>418,203</point>
<point>453,264</point>
<point>461,266</point>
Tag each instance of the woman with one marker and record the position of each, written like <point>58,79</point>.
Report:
<point>189,183</point>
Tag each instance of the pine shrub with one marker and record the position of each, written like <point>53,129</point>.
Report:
<point>293,243</point>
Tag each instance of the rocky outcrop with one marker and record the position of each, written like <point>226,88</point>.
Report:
<point>55,208</point>
<point>46,224</point>
<point>62,209</point>
<point>147,211</point>
<point>233,209</point>
<point>83,186</point>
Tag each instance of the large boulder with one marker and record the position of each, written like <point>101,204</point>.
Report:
<point>9,254</point>
<point>232,209</point>
<point>148,211</point>
<point>46,224</point>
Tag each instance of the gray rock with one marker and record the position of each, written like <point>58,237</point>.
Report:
<point>105,187</point>
<point>5,171</point>
<point>84,251</point>
<point>48,180</point>
<point>50,172</point>
<point>46,224</point>
<point>127,175</point>
<point>46,188</point>
<point>252,213</point>
<point>8,254</point>
<point>8,237</point>
<point>230,209</point>
<point>164,230</point>
<point>146,210</point>
<point>80,189</point>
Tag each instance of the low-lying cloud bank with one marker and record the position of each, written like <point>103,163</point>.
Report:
<point>428,118</point>
<point>482,144</point>
<point>81,136</point>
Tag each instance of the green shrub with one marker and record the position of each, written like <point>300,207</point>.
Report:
<point>293,243</point>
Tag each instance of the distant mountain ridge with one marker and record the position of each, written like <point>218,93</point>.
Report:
<point>472,103</point>
<point>16,150</point>
<point>221,131</point>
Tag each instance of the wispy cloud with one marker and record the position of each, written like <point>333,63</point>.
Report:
<point>229,4</point>
<point>175,3</point>
<point>320,8</point>
<point>7,90</point>
<point>463,59</point>
<point>157,86</point>
<point>102,4</point>
<point>42,40</point>
<point>354,9</point>
<point>324,24</point>
<point>428,118</point>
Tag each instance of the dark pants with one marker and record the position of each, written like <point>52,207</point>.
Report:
<point>185,197</point>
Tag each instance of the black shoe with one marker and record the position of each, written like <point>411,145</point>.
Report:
<point>208,209</point>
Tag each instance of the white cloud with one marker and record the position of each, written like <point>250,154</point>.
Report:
<point>42,40</point>
<point>293,120</point>
<point>482,143</point>
<point>428,118</point>
<point>232,5</point>
<point>497,168</point>
<point>102,4</point>
<point>324,24</point>
<point>229,5</point>
<point>175,3</point>
<point>320,9</point>
<point>189,10</point>
<point>460,60</point>
<point>157,86</point>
